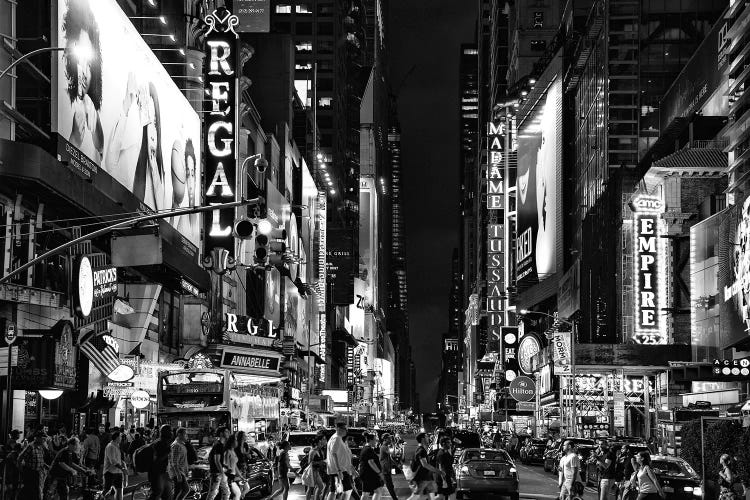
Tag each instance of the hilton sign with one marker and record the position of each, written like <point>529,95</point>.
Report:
<point>221,127</point>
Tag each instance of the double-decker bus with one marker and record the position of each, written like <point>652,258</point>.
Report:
<point>198,399</point>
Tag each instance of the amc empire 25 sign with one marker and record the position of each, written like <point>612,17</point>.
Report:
<point>221,126</point>
<point>648,268</point>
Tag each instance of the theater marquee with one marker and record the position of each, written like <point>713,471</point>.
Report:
<point>649,276</point>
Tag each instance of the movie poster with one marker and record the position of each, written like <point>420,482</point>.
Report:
<point>119,113</point>
<point>537,191</point>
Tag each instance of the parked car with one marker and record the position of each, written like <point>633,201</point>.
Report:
<point>259,473</point>
<point>486,472</point>
<point>553,455</point>
<point>300,444</point>
<point>677,477</point>
<point>533,451</point>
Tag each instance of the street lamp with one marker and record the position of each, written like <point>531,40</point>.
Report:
<point>573,337</point>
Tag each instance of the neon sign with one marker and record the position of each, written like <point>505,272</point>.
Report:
<point>496,145</point>
<point>221,126</point>
<point>649,276</point>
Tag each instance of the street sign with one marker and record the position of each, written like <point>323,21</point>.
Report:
<point>522,389</point>
<point>11,334</point>
<point>526,406</point>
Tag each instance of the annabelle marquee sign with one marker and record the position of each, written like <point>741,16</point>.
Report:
<point>221,126</point>
<point>648,268</point>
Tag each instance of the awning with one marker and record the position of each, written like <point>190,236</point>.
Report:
<point>96,403</point>
<point>343,335</point>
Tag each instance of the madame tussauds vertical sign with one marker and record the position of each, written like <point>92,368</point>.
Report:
<point>648,270</point>
<point>221,126</point>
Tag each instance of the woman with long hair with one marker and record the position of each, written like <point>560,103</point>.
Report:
<point>648,485</point>
<point>148,182</point>
<point>316,461</point>
<point>235,479</point>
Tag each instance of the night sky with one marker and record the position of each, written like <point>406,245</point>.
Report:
<point>428,35</point>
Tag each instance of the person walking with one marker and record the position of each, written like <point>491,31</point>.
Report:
<point>447,485</point>
<point>236,481</point>
<point>161,486</point>
<point>606,462</point>
<point>34,468</point>
<point>389,464</point>
<point>624,470</point>
<point>316,460</point>
<point>370,469</point>
<point>177,465</point>
<point>423,484</point>
<point>727,478</point>
<point>570,471</point>
<point>114,469</point>
<point>65,467</point>
<point>217,468</point>
<point>339,464</point>
<point>90,449</point>
<point>284,468</point>
<point>648,485</point>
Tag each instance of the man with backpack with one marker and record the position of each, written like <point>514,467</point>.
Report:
<point>423,483</point>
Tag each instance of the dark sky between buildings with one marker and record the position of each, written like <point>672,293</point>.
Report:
<point>427,35</point>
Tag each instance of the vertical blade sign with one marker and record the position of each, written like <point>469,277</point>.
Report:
<point>221,77</point>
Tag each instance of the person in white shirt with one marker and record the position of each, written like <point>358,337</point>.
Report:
<point>339,464</point>
<point>570,468</point>
<point>114,467</point>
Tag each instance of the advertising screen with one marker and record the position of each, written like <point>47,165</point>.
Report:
<point>734,275</point>
<point>118,113</point>
<point>538,196</point>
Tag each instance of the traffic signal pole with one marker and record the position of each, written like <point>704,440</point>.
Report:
<point>126,225</point>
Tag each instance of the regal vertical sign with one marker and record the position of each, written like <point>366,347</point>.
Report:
<point>221,80</point>
<point>648,268</point>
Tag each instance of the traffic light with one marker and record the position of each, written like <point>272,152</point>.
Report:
<point>261,249</point>
<point>276,247</point>
<point>243,228</point>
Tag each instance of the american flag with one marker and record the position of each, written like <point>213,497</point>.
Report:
<point>102,355</point>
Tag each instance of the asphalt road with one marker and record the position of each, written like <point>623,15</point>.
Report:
<point>535,485</point>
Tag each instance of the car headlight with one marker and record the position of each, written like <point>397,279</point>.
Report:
<point>697,491</point>
<point>512,470</point>
<point>464,469</point>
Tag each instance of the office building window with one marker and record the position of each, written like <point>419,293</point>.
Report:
<point>303,8</point>
<point>538,45</point>
<point>325,102</point>
<point>303,90</point>
<point>304,28</point>
<point>304,46</point>
<point>283,9</point>
<point>325,29</point>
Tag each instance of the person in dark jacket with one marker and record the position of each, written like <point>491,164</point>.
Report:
<point>157,476</point>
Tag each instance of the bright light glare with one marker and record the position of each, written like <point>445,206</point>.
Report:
<point>264,226</point>
<point>182,52</point>
<point>152,3</point>
<point>332,191</point>
<point>523,311</point>
<point>171,37</point>
<point>192,65</point>
<point>52,394</point>
<point>163,20</point>
<point>320,156</point>
<point>82,52</point>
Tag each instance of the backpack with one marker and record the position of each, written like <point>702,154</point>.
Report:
<point>192,456</point>
<point>143,458</point>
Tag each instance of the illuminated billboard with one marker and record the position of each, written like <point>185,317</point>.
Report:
<point>538,197</point>
<point>117,112</point>
<point>649,275</point>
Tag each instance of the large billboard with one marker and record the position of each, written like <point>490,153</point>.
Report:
<point>117,111</point>
<point>538,197</point>
<point>340,266</point>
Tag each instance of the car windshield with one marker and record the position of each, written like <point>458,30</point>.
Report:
<point>673,468</point>
<point>467,439</point>
<point>486,456</point>
<point>301,439</point>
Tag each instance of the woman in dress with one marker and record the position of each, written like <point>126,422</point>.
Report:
<point>235,479</point>
<point>148,183</point>
<point>370,470</point>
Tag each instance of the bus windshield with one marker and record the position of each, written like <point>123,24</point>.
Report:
<point>186,390</point>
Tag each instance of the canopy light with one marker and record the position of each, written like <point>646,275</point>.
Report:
<point>50,394</point>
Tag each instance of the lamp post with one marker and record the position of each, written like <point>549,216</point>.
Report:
<point>573,338</point>
<point>26,56</point>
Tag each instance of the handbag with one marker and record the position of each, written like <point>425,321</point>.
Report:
<point>408,472</point>
<point>308,478</point>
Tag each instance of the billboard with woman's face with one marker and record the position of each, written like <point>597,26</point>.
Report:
<point>117,110</point>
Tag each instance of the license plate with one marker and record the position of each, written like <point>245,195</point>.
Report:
<point>489,473</point>
<point>668,489</point>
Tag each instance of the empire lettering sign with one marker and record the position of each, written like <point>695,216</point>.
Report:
<point>648,270</point>
<point>221,80</point>
<point>496,146</point>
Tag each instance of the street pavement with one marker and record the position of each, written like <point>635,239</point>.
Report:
<point>535,485</point>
